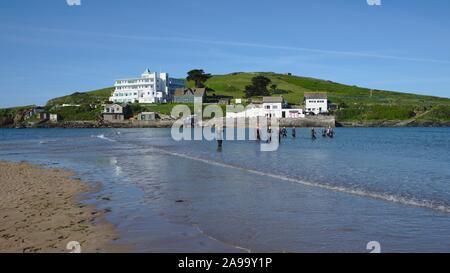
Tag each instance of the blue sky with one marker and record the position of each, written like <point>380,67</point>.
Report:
<point>50,49</point>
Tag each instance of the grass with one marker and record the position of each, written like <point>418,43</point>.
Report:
<point>437,114</point>
<point>376,112</point>
<point>72,113</point>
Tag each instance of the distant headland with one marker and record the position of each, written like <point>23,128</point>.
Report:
<point>150,98</point>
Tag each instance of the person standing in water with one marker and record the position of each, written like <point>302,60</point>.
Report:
<point>294,132</point>
<point>313,133</point>
<point>330,132</point>
<point>219,137</point>
<point>285,132</point>
<point>280,132</point>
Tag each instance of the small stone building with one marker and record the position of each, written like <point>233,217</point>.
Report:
<point>146,116</point>
<point>116,112</point>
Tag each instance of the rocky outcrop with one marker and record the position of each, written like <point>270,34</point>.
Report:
<point>6,121</point>
<point>11,119</point>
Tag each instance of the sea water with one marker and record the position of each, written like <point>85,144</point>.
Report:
<point>390,185</point>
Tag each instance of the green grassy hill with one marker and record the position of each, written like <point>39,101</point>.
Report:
<point>234,85</point>
<point>357,105</point>
<point>90,105</point>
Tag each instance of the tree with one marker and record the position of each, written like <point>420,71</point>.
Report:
<point>258,87</point>
<point>199,77</point>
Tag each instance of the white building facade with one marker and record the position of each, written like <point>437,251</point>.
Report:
<point>271,107</point>
<point>316,103</point>
<point>151,87</point>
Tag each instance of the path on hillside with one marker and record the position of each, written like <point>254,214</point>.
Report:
<point>408,121</point>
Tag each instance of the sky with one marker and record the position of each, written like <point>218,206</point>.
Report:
<point>50,49</point>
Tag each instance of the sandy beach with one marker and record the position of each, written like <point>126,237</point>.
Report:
<point>40,212</point>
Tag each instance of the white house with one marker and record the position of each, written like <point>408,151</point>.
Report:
<point>271,107</point>
<point>316,103</point>
<point>151,87</point>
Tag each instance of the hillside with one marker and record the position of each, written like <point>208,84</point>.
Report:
<point>91,97</point>
<point>356,105</point>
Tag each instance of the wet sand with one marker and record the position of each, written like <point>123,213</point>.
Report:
<point>40,211</point>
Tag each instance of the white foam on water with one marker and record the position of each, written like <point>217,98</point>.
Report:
<point>429,204</point>
<point>217,240</point>
<point>102,136</point>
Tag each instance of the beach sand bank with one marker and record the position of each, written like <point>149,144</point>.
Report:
<point>40,212</point>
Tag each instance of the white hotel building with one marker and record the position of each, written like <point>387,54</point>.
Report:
<point>151,87</point>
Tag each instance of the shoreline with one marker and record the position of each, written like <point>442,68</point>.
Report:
<point>42,212</point>
<point>299,123</point>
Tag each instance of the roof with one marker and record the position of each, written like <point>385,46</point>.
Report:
<point>273,99</point>
<point>146,113</point>
<point>110,105</point>
<point>114,104</point>
<point>321,96</point>
<point>198,92</point>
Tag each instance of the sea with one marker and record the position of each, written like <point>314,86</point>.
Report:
<point>388,186</point>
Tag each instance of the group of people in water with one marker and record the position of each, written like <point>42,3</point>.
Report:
<point>328,132</point>
<point>283,133</point>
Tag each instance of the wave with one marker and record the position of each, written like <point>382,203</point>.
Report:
<point>102,136</point>
<point>222,242</point>
<point>409,201</point>
<point>49,141</point>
